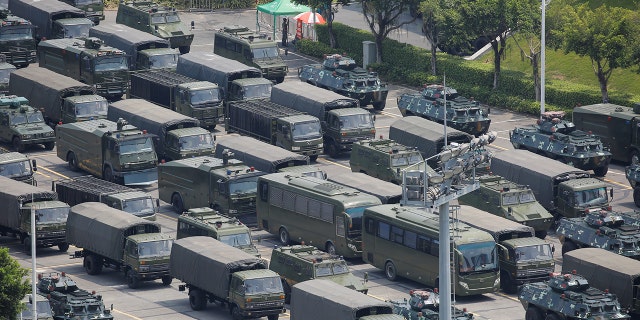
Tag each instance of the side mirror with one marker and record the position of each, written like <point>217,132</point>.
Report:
<point>35,168</point>
<point>157,205</point>
<point>610,191</point>
<point>193,24</point>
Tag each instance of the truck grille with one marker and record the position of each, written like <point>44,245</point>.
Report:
<point>248,207</point>
<point>158,267</point>
<point>535,272</point>
<point>50,234</point>
<point>267,304</point>
<point>310,147</point>
<point>139,166</point>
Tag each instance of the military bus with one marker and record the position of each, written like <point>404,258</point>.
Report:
<point>320,213</point>
<point>404,241</point>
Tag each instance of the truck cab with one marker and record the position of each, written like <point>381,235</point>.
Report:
<point>576,197</point>
<point>343,127</point>
<point>17,40</point>
<point>94,9</point>
<point>188,142</point>
<point>301,134</point>
<point>249,88</point>
<point>5,72</point>
<point>17,166</point>
<point>383,159</point>
<point>70,28</point>
<point>137,203</point>
<point>146,256</point>
<point>254,290</point>
<point>201,100</point>
<point>84,107</point>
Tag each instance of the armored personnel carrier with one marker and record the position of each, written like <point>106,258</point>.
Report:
<point>601,229</point>
<point>568,296</point>
<point>557,138</point>
<point>462,114</point>
<point>70,302</point>
<point>632,173</point>
<point>341,74</point>
<point>423,304</point>
<point>22,126</point>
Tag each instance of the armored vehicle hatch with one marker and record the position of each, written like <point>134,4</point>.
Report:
<point>423,304</point>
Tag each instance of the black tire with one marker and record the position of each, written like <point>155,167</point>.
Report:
<point>330,248</point>
<point>235,313</point>
<point>63,247</point>
<point>634,157</point>
<point>108,174</point>
<point>601,171</point>
<point>197,299</point>
<point>93,264</point>
<point>273,316</point>
<point>333,150</point>
<point>26,244</point>
<point>508,285</point>
<point>390,271</point>
<point>552,316</point>
<point>132,280</point>
<point>313,158</point>
<point>280,79</point>
<point>567,246</point>
<point>72,161</point>
<point>636,196</point>
<point>287,291</point>
<point>49,145</point>
<point>176,202</point>
<point>285,238</point>
<point>184,49</point>
<point>516,145</point>
<point>533,313</point>
<point>379,105</point>
<point>17,144</point>
<point>166,280</point>
<point>541,234</point>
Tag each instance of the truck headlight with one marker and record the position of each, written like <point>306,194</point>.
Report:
<point>464,285</point>
<point>320,145</point>
<point>294,148</point>
<point>497,282</point>
<point>26,136</point>
<point>50,134</point>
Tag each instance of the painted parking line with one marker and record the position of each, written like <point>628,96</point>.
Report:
<point>51,171</point>
<point>42,174</point>
<point>332,162</point>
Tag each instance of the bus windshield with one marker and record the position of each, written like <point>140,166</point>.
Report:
<point>109,63</point>
<point>16,33</point>
<point>477,257</point>
<point>356,218</point>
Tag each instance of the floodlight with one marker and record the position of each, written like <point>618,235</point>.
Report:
<point>445,155</point>
<point>436,179</point>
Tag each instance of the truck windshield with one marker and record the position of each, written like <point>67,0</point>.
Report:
<point>22,118</point>
<point>77,30</point>
<point>405,160</point>
<point>16,33</point>
<point>4,75</point>
<point>158,248</point>
<point>92,108</point>
<point>52,215</point>
<point>591,197</point>
<point>196,142</point>
<point>306,130</point>
<point>42,307</point>
<point>261,53</point>
<point>136,145</point>
<point>356,121</point>
<point>108,63</point>
<point>478,257</point>
<point>236,240</point>
<point>169,61</point>
<point>527,196</point>
<point>138,207</point>
<point>16,169</point>
<point>257,91</point>
<point>328,269</point>
<point>263,286</point>
<point>537,252</point>
<point>245,185</point>
<point>200,97</point>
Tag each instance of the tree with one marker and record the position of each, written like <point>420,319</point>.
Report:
<point>528,41</point>
<point>382,16</point>
<point>13,285</point>
<point>432,22</point>
<point>324,6</point>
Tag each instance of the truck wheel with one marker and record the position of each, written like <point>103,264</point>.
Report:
<point>273,316</point>
<point>541,234</point>
<point>184,49</point>
<point>284,236</point>
<point>601,171</point>
<point>508,284</point>
<point>287,291</point>
<point>49,145</point>
<point>197,299</point>
<point>235,313</point>
<point>26,242</point>
<point>73,161</point>
<point>379,105</point>
<point>93,264</point>
<point>567,246</point>
<point>63,247</point>
<point>533,313</point>
<point>333,150</point>
<point>17,144</point>
<point>132,280</point>
<point>636,196</point>
<point>390,271</point>
<point>108,175</point>
<point>313,158</point>
<point>176,202</point>
<point>330,248</point>
<point>166,280</point>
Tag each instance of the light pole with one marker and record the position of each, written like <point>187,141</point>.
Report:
<point>543,46</point>
<point>34,299</point>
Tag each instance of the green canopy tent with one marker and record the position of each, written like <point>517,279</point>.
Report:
<point>279,8</point>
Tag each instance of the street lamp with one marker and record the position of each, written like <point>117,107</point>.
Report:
<point>543,46</point>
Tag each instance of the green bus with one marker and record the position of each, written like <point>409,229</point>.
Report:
<point>404,241</point>
<point>314,211</point>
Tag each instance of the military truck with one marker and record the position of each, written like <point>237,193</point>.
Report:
<point>632,173</point>
<point>5,73</point>
<point>510,200</point>
<point>208,222</point>
<point>387,192</point>
<point>53,19</point>
<point>226,185</point>
<point>16,166</point>
<point>275,124</point>
<point>176,136</point>
<point>43,308</point>
<point>523,257</point>
<point>18,199</point>
<point>238,81</point>
<point>607,270</point>
<point>197,99</point>
<point>89,61</point>
<point>17,42</point>
<point>113,151</point>
<point>423,304</point>
<point>425,135</point>
<point>145,50</point>
<point>300,263</point>
<point>561,189</point>
<point>321,299</point>
<point>228,275</point>
<point>91,189</point>
<point>93,9</point>
<point>255,49</point>
<point>113,238</point>
<point>568,296</point>
<point>343,122</point>
<point>342,75</point>
<point>60,98</point>
<point>461,113</point>
<point>158,20</point>
<point>600,229</point>
<point>615,125</point>
<point>383,159</point>
<point>69,302</point>
<point>23,126</point>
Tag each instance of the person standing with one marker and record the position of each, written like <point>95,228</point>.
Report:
<point>285,31</point>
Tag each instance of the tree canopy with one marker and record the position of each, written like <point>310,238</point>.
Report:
<point>13,285</point>
<point>383,16</point>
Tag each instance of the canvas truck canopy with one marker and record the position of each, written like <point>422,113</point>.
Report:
<point>309,98</point>
<point>323,299</point>
<point>15,193</point>
<point>605,270</point>
<point>258,154</point>
<point>426,135</point>
<point>387,192</point>
<point>499,227</point>
<point>96,227</point>
<point>214,68</point>
<point>42,13</point>
<point>208,263</point>
<point>128,39</point>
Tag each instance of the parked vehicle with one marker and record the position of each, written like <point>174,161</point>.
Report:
<point>387,192</point>
<point>632,173</point>
<point>68,302</point>
<point>424,304</point>
<point>113,238</point>
<point>260,155</point>
<point>53,19</point>
<point>17,166</point>
<point>23,126</point>
<point>17,39</point>
<point>5,73</point>
<point>93,9</point>
<point>383,158</point>
<point>43,308</point>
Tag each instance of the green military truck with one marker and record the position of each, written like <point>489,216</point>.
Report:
<point>18,199</point>
<point>17,41</point>
<point>91,189</point>
<point>300,263</point>
<point>383,158</point>
<point>226,185</point>
<point>5,74</point>
<point>197,99</point>
<point>523,257</point>
<point>22,126</point>
<point>214,271</point>
<point>510,200</point>
<point>16,166</point>
<point>343,121</point>
<point>93,9</point>
<point>208,222</point>
<point>275,124</point>
<point>113,238</point>
<point>145,50</point>
<point>176,136</point>
<point>114,151</point>
<point>158,20</point>
<point>256,49</point>
<point>89,61</point>
<point>60,98</point>
<point>53,19</point>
